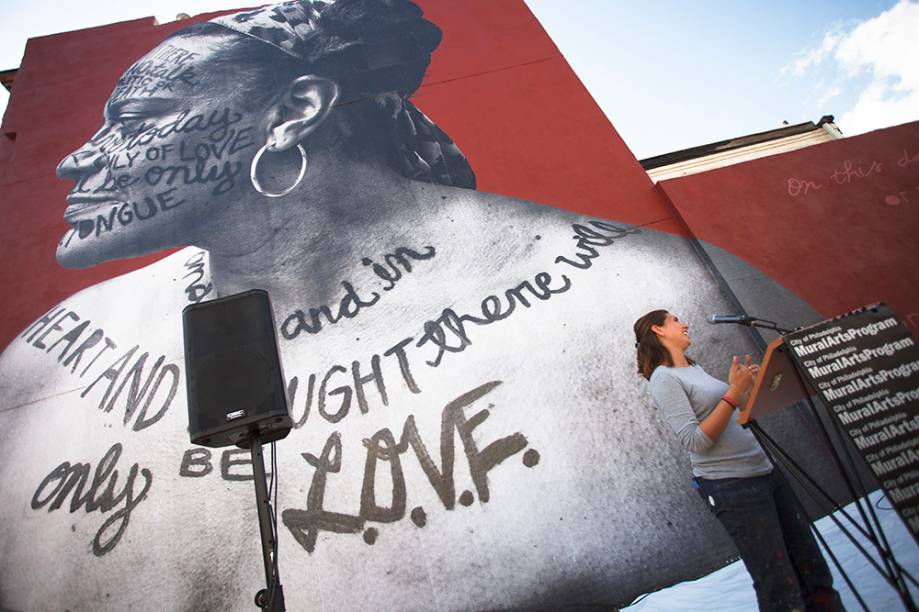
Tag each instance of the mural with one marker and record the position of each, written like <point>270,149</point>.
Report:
<point>470,431</point>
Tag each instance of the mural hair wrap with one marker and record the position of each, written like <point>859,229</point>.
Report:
<point>375,50</point>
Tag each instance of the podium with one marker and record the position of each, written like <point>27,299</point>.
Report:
<point>848,365</point>
<point>777,386</point>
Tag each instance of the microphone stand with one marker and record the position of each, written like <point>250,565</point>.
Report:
<point>767,325</point>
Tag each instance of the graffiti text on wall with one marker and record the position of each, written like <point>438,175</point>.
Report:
<point>449,333</point>
<point>382,448</point>
<point>72,479</point>
<point>146,390</point>
<point>394,265</point>
<point>849,173</point>
<point>197,289</point>
<point>150,146</point>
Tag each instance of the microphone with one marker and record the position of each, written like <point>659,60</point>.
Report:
<point>739,319</point>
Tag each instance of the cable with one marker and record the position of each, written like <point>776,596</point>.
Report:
<point>882,498</point>
<point>275,478</point>
<point>638,599</point>
<point>273,522</point>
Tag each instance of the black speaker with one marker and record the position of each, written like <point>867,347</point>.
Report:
<point>233,372</point>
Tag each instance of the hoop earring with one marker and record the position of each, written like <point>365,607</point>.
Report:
<point>258,186</point>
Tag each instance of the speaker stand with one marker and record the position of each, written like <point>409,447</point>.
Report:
<point>271,598</point>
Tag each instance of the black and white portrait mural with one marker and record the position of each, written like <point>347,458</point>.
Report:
<point>470,431</point>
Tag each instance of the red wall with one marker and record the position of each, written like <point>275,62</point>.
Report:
<point>837,223</point>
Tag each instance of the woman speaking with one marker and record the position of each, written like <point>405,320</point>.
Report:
<point>730,470</point>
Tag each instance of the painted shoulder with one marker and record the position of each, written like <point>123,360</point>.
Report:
<point>59,350</point>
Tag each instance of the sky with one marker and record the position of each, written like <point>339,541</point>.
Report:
<point>669,74</point>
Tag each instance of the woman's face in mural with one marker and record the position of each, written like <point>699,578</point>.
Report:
<point>172,156</point>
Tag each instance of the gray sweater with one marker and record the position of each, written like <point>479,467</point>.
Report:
<point>685,396</point>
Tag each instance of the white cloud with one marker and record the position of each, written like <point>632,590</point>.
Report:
<point>885,49</point>
<point>888,47</point>
<point>815,56</point>
<point>828,94</point>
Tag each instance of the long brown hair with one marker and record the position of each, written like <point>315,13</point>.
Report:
<point>650,352</point>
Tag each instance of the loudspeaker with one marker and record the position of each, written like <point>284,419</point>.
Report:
<point>233,373</point>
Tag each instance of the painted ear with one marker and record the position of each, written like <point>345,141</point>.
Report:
<point>299,111</point>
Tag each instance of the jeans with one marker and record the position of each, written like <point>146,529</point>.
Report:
<point>773,536</point>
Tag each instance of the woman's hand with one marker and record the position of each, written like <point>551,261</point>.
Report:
<point>741,377</point>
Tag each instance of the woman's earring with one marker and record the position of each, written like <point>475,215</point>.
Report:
<point>253,171</point>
